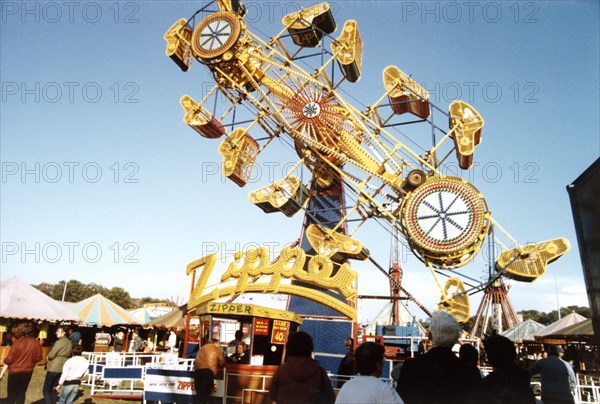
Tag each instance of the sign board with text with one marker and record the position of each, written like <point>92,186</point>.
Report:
<point>281,330</point>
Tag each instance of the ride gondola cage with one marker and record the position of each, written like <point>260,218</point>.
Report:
<point>404,94</point>
<point>178,39</point>
<point>239,151</point>
<point>287,195</point>
<point>199,119</point>
<point>348,50</point>
<point>466,123</point>
<point>308,25</point>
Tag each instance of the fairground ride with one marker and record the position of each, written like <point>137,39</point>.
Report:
<point>294,88</point>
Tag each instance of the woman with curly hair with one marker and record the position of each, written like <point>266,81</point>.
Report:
<point>20,362</point>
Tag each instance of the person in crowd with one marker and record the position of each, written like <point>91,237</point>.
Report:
<point>468,353</point>
<point>422,347</point>
<point>74,335</point>
<point>439,376</point>
<point>172,341</point>
<point>136,344</point>
<point>240,355</point>
<point>74,370</point>
<point>57,356</point>
<point>366,386</point>
<point>207,364</point>
<point>508,382</point>
<point>301,379</point>
<point>8,339</point>
<point>231,347</point>
<point>346,367</point>
<point>558,377</point>
<point>24,354</point>
<point>119,341</point>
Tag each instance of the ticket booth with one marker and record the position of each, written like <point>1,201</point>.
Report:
<point>267,330</point>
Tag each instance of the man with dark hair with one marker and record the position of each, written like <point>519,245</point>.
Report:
<point>301,380</point>
<point>74,335</point>
<point>439,376</point>
<point>208,362</point>
<point>231,347</point>
<point>558,377</point>
<point>366,386</point>
<point>346,367</point>
<point>58,355</point>
<point>508,383</point>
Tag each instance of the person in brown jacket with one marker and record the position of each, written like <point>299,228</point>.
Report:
<point>20,362</point>
<point>207,364</point>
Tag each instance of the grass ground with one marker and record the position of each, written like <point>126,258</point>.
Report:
<point>35,396</point>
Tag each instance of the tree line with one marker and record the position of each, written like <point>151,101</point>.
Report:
<point>77,291</point>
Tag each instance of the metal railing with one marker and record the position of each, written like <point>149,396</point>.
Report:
<point>122,373</point>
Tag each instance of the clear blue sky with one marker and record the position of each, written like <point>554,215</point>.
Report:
<point>103,182</point>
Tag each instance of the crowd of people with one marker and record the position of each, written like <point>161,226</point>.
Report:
<point>65,366</point>
<point>437,375</point>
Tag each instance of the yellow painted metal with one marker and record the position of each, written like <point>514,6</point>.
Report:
<point>338,246</point>
<point>466,123</point>
<point>178,39</point>
<point>405,94</point>
<point>288,265</point>
<point>204,41</point>
<point>239,151</point>
<point>430,221</point>
<point>455,301</point>
<point>307,26</point>
<point>336,141</point>
<point>225,5</point>
<point>199,119</point>
<point>247,310</point>
<point>287,195</point>
<point>528,263</point>
<point>348,51</point>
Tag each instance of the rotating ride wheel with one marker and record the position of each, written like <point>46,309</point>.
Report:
<point>215,35</point>
<point>357,162</point>
<point>445,221</point>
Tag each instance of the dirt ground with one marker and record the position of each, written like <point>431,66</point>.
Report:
<point>34,392</point>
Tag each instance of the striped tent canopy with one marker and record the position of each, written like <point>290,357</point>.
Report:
<point>142,315</point>
<point>175,318</point>
<point>19,300</point>
<point>524,331</point>
<point>583,328</point>
<point>98,310</point>
<point>569,319</point>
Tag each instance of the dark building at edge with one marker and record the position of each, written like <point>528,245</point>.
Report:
<point>584,194</point>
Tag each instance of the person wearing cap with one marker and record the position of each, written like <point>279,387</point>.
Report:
<point>558,377</point>
<point>509,382</point>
